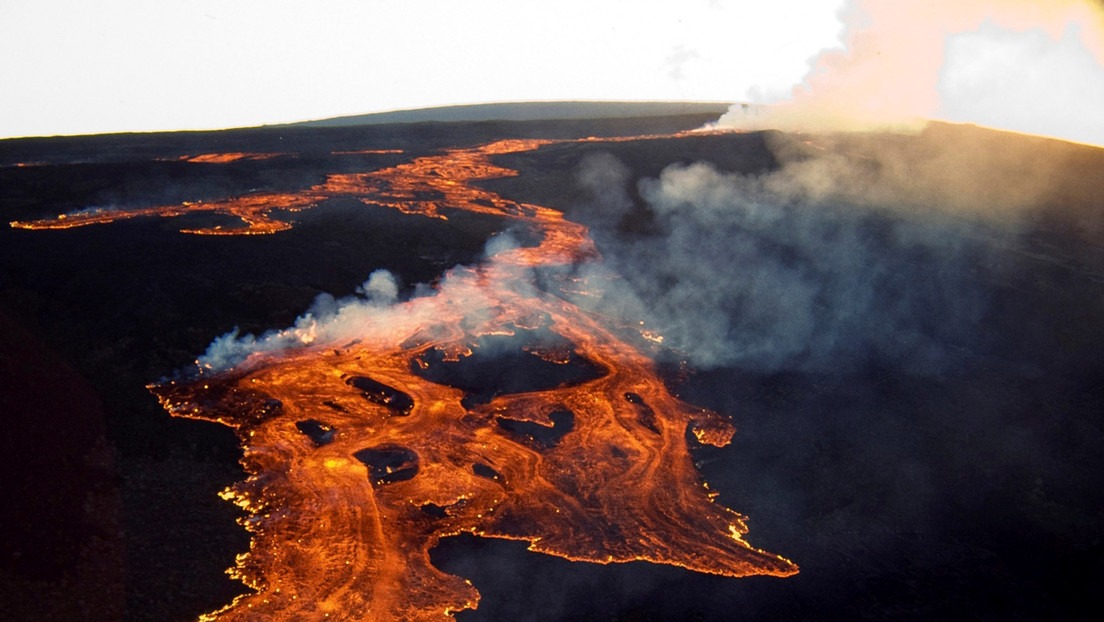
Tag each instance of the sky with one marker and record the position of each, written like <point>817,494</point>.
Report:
<point>70,66</point>
<point>74,67</point>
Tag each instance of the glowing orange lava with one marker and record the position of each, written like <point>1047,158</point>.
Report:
<point>223,158</point>
<point>364,450</point>
<point>255,210</point>
<point>421,186</point>
<point>367,152</point>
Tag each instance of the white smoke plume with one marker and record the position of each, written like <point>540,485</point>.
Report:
<point>856,248</point>
<point>1030,67</point>
<point>377,311</point>
<point>833,260</point>
<point>328,320</point>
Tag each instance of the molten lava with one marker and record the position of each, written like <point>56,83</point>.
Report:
<point>232,156</point>
<point>490,407</point>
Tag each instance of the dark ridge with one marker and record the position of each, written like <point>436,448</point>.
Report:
<point>543,436</point>
<point>319,433</point>
<point>415,138</point>
<point>388,464</point>
<point>527,111</point>
<point>644,413</point>
<point>378,393</point>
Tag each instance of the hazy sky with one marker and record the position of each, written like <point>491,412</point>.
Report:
<point>71,66</point>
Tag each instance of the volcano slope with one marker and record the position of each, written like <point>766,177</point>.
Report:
<point>903,329</point>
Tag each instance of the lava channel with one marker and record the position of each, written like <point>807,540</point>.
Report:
<point>488,407</point>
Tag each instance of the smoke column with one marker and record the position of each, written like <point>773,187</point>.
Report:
<point>1035,68</point>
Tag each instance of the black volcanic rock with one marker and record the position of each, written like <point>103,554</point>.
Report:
<point>500,364</point>
<point>929,449</point>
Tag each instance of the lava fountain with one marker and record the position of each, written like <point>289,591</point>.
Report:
<point>488,406</point>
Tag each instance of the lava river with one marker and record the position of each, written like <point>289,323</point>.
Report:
<point>488,406</point>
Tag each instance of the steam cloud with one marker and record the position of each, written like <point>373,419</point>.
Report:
<point>328,320</point>
<point>1032,67</point>
<point>854,250</point>
<point>376,310</point>
<point>830,258</point>
<point>780,272</point>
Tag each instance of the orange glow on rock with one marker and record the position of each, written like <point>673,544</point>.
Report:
<point>422,186</point>
<point>489,407</point>
<point>223,158</point>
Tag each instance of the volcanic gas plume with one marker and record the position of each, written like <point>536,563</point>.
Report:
<point>486,405</point>
<point>1029,67</point>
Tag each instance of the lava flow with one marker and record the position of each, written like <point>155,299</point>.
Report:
<point>488,407</point>
<point>255,210</point>
<point>223,158</point>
